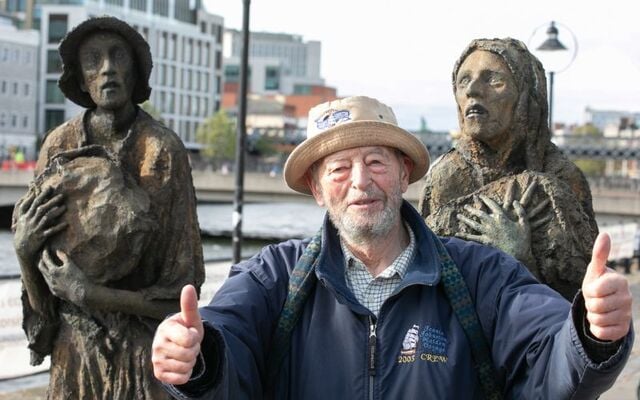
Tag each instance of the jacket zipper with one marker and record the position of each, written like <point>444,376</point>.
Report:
<point>372,355</point>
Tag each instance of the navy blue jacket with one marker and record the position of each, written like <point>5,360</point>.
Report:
<point>530,328</point>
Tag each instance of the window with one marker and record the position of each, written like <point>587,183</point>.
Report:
<point>163,74</point>
<point>205,82</point>
<point>3,87</point>
<point>301,89</point>
<point>2,117</point>
<point>272,78</point>
<point>25,90</point>
<point>205,107</point>
<point>172,76</point>
<point>161,7</point>
<point>218,85</point>
<point>205,55</point>
<point>172,46</point>
<point>15,88</point>
<point>27,57</point>
<point>114,2</point>
<point>232,73</point>
<point>53,118</point>
<point>140,5</point>
<point>162,45</point>
<point>170,103</point>
<point>162,101</point>
<point>14,120</point>
<point>218,59</point>
<point>25,121</point>
<point>54,62</point>
<point>53,93</point>
<point>203,27</point>
<point>57,27</point>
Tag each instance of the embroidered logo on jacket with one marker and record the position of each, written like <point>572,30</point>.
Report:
<point>427,344</point>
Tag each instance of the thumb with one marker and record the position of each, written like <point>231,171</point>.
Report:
<point>598,265</point>
<point>189,308</point>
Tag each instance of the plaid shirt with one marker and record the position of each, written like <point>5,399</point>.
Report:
<point>372,292</point>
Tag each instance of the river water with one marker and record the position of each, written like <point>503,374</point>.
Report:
<point>262,223</point>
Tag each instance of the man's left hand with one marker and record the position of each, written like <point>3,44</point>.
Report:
<point>606,295</point>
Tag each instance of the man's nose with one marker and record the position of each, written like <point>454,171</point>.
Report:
<point>360,176</point>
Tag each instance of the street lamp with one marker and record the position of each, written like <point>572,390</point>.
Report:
<point>236,241</point>
<point>553,55</point>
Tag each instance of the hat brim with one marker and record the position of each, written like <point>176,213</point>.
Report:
<point>347,136</point>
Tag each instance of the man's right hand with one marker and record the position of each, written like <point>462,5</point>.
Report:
<point>176,344</point>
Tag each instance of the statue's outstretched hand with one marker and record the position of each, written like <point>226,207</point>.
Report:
<point>498,229</point>
<point>176,344</point>
<point>36,221</point>
<point>607,298</point>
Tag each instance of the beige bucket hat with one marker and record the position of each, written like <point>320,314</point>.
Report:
<point>347,123</point>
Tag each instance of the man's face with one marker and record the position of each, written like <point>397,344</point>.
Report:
<point>362,190</point>
<point>108,73</point>
<point>486,94</point>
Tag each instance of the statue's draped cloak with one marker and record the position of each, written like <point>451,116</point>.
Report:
<point>107,355</point>
<point>561,247</point>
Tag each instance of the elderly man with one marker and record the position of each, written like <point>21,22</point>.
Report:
<point>377,306</point>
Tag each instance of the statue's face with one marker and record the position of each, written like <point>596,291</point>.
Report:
<point>108,71</point>
<point>486,94</point>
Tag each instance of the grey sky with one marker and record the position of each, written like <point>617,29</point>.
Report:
<point>402,51</point>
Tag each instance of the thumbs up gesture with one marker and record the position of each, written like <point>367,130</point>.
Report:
<point>606,295</point>
<point>176,344</point>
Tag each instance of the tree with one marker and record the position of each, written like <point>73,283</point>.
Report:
<point>217,135</point>
<point>591,168</point>
<point>151,110</point>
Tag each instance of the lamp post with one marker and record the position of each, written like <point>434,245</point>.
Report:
<point>548,53</point>
<point>241,137</point>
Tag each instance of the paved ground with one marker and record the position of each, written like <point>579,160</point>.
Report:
<point>623,389</point>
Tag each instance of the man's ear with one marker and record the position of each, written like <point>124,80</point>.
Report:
<point>316,191</point>
<point>406,169</point>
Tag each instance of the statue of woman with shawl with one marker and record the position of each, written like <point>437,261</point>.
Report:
<point>108,234</point>
<point>505,184</point>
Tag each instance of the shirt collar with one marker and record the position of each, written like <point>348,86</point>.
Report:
<point>398,266</point>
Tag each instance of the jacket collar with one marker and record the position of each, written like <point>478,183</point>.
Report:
<point>424,269</point>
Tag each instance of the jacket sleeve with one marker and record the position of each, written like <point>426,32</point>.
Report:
<point>238,327</point>
<point>532,332</point>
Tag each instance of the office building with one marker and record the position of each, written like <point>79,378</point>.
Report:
<point>279,63</point>
<point>18,89</point>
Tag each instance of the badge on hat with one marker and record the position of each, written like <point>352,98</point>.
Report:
<point>331,118</point>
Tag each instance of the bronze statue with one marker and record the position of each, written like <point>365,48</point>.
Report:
<point>505,183</point>
<point>108,233</point>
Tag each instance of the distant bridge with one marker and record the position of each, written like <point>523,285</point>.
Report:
<point>259,187</point>
<point>574,147</point>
